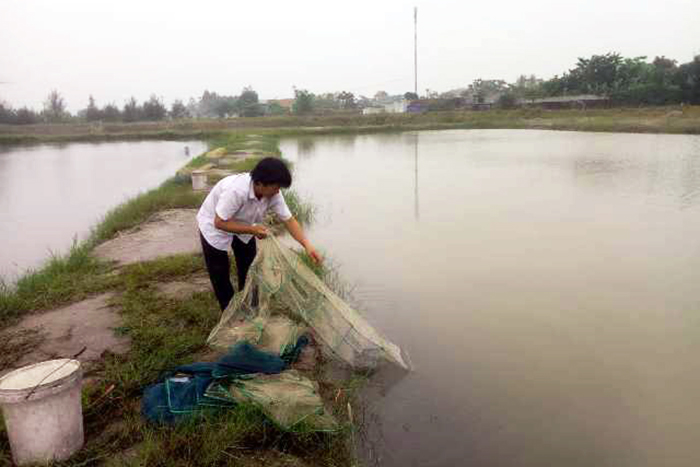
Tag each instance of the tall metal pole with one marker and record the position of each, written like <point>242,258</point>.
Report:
<point>415,49</point>
<point>415,90</point>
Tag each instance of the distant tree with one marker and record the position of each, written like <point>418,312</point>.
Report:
<point>628,81</point>
<point>55,107</point>
<point>275,109</point>
<point>598,74</point>
<point>410,96</point>
<point>647,83</point>
<point>92,113</point>
<point>326,102</point>
<point>7,114</point>
<point>111,113</point>
<point>346,100</point>
<point>154,109</point>
<point>664,70</point>
<point>248,103</point>
<point>487,89</point>
<point>507,100</point>
<point>206,104</point>
<point>689,81</point>
<point>303,102</point>
<point>178,109</point>
<point>606,74</point>
<point>132,111</point>
<point>213,105</point>
<point>226,106</point>
<point>631,72</point>
<point>26,116</point>
<point>193,108</point>
<point>555,86</point>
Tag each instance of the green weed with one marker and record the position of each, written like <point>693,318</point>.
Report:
<point>302,211</point>
<point>173,193</point>
<point>64,278</point>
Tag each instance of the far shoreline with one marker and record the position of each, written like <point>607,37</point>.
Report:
<point>654,120</point>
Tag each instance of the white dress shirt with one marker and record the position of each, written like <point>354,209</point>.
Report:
<point>233,198</point>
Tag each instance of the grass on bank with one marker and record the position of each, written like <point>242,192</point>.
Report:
<point>259,144</point>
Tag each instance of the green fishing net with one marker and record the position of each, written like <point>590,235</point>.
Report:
<point>283,298</point>
<point>288,398</point>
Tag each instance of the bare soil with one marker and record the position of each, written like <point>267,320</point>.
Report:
<point>63,332</point>
<point>166,233</point>
<point>182,289</point>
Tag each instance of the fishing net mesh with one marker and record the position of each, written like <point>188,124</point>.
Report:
<point>283,297</point>
<point>288,398</point>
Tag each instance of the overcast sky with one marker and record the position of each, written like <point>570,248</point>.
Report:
<point>175,49</point>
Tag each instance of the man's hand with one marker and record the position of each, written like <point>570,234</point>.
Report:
<point>295,231</point>
<point>315,255</point>
<point>260,231</point>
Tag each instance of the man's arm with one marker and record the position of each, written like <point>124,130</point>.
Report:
<point>297,233</point>
<point>240,228</point>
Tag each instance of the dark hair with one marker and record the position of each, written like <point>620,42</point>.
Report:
<point>272,171</point>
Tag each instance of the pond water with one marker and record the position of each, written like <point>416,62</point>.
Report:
<point>51,194</point>
<point>544,284</point>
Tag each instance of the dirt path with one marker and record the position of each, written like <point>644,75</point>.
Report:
<point>65,331</point>
<point>181,289</point>
<point>166,233</point>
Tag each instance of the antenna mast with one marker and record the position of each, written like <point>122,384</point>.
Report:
<point>415,49</point>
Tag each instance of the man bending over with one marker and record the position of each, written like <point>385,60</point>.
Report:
<point>231,215</point>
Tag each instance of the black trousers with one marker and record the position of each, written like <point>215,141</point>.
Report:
<point>219,267</point>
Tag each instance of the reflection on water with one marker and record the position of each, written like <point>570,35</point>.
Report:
<point>51,194</point>
<point>306,146</point>
<point>543,283</point>
<point>416,202</point>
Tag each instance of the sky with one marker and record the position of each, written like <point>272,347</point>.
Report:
<point>174,49</point>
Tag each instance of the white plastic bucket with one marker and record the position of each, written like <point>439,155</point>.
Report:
<point>42,410</point>
<point>199,180</point>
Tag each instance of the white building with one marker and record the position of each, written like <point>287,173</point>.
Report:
<point>372,110</point>
<point>396,107</point>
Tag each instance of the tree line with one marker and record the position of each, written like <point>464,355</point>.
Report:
<point>55,111</point>
<point>624,81</point>
<point>208,105</point>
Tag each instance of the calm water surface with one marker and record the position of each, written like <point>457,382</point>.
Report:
<point>545,285</point>
<point>50,194</point>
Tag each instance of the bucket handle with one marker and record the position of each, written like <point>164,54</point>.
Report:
<point>54,371</point>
